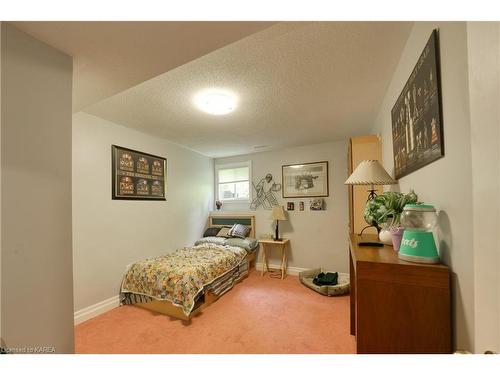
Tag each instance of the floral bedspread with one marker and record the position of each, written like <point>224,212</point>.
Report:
<point>178,277</point>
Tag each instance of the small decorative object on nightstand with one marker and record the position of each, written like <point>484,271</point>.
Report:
<point>218,204</point>
<point>282,244</point>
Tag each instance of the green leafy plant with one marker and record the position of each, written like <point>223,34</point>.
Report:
<point>387,207</point>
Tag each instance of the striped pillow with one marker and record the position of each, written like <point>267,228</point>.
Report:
<point>239,230</point>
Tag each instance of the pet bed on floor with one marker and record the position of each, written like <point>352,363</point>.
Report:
<point>342,287</point>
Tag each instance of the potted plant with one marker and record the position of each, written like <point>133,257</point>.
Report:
<point>385,210</point>
<point>375,211</point>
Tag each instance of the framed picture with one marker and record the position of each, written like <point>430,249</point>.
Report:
<point>305,180</point>
<point>317,204</point>
<point>137,175</point>
<point>417,122</point>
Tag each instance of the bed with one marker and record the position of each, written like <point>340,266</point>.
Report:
<point>183,283</point>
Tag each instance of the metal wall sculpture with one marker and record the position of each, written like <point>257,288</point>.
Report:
<point>264,193</point>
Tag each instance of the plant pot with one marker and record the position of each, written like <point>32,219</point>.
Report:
<point>397,235</point>
<point>385,236</point>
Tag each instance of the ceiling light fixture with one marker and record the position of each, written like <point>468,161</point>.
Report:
<point>215,102</point>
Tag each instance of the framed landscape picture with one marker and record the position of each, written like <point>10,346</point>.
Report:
<point>137,175</point>
<point>305,180</point>
<point>417,122</point>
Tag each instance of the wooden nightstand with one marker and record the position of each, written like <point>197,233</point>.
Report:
<point>272,243</point>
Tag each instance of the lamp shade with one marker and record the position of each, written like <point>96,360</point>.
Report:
<point>370,172</point>
<point>278,213</point>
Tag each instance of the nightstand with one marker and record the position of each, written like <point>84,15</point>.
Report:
<point>270,243</point>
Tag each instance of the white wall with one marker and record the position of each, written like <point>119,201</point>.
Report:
<point>37,289</point>
<point>1,340</point>
<point>484,82</point>
<point>317,238</point>
<point>498,232</point>
<point>447,183</point>
<point>110,234</point>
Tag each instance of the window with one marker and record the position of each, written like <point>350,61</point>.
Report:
<point>233,182</point>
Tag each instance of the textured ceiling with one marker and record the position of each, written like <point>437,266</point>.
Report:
<point>110,57</point>
<point>297,83</point>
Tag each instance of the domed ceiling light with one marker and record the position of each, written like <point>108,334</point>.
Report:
<point>215,102</point>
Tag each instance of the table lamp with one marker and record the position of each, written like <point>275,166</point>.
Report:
<point>278,214</point>
<point>370,172</point>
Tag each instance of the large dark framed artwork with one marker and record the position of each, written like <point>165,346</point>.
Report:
<point>137,175</point>
<point>305,180</point>
<point>417,121</point>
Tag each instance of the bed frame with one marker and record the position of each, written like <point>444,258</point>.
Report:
<point>214,220</point>
<point>228,219</point>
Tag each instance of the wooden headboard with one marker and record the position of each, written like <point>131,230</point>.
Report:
<point>228,219</point>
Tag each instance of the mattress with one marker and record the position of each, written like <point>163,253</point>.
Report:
<point>182,277</point>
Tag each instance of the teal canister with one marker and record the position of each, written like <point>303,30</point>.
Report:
<point>418,244</point>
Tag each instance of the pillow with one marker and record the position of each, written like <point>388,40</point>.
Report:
<point>215,240</point>
<point>223,232</point>
<point>239,230</point>
<point>248,243</point>
<point>211,232</point>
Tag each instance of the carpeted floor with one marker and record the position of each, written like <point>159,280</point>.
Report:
<point>259,315</point>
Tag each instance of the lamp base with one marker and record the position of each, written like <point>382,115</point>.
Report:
<point>276,233</point>
<point>371,194</point>
<point>371,226</point>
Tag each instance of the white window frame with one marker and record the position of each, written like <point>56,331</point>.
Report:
<point>218,167</point>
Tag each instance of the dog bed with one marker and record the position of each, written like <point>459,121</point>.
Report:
<point>342,287</point>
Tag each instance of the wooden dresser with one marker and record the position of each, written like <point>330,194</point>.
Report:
<point>397,306</point>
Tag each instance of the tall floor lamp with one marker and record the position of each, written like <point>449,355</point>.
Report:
<point>370,172</point>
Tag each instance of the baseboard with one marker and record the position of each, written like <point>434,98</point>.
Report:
<point>294,271</point>
<point>110,303</point>
<point>97,309</point>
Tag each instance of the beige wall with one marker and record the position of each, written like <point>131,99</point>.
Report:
<point>318,238</point>
<point>483,58</point>
<point>110,234</point>
<point>37,288</point>
<point>447,183</point>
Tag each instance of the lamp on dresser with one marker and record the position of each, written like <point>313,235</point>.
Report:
<point>370,172</point>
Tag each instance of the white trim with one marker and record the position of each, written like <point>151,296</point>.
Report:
<point>294,271</point>
<point>99,308</point>
<point>96,309</point>
<point>237,164</point>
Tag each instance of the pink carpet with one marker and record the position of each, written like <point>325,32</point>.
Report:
<point>259,315</point>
